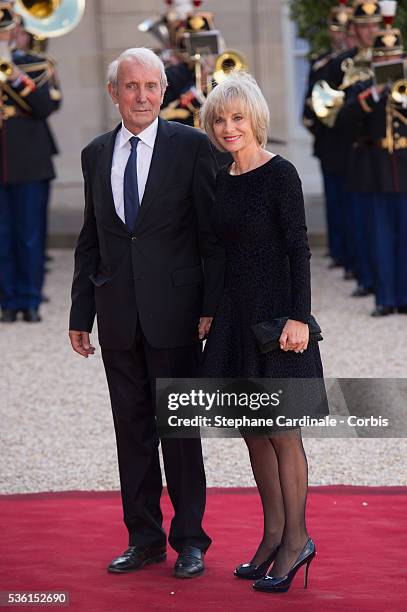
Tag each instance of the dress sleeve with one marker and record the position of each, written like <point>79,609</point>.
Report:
<point>287,194</point>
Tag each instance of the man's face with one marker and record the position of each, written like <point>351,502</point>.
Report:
<point>21,38</point>
<point>139,94</point>
<point>351,40</point>
<point>366,34</point>
<point>337,38</point>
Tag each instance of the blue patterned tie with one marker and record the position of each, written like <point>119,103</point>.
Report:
<point>131,197</point>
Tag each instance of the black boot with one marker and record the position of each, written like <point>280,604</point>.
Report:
<point>31,315</point>
<point>382,311</point>
<point>8,315</point>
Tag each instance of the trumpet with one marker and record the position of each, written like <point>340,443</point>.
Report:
<point>399,92</point>
<point>226,62</point>
<point>6,70</point>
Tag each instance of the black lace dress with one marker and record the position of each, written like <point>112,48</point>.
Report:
<point>260,219</point>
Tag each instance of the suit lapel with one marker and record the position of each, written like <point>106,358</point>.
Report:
<point>163,154</point>
<point>105,168</point>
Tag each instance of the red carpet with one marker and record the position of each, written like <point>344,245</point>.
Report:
<point>63,541</point>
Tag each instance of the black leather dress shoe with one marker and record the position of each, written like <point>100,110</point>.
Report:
<point>189,563</point>
<point>250,571</point>
<point>135,558</point>
<point>382,311</point>
<point>361,291</point>
<point>402,309</point>
<point>8,316</point>
<point>31,315</point>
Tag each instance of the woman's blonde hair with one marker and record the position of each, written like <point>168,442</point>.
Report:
<point>240,87</point>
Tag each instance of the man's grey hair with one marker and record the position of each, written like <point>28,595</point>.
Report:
<point>141,55</point>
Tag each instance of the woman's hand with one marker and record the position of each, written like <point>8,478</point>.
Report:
<point>294,337</point>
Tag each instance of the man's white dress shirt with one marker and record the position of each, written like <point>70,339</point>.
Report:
<point>121,154</point>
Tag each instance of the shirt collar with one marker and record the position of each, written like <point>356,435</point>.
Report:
<point>147,136</point>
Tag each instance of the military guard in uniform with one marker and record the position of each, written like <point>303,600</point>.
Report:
<point>184,96</point>
<point>356,67</point>
<point>347,69</point>
<point>379,115</point>
<point>29,94</point>
<point>323,147</point>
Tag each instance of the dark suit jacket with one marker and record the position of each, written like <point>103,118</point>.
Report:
<point>169,271</point>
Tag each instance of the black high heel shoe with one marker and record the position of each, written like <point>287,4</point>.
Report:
<point>276,584</point>
<point>253,572</point>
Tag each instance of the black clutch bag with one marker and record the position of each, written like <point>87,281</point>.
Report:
<point>268,333</point>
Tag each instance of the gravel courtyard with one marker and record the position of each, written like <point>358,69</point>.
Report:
<point>56,424</point>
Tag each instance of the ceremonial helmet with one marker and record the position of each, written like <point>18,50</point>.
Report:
<point>339,17</point>
<point>388,41</point>
<point>366,11</point>
<point>195,21</point>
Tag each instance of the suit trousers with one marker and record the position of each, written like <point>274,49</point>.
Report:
<point>131,378</point>
<point>22,236</point>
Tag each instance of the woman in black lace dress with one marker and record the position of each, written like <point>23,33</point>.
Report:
<point>259,217</point>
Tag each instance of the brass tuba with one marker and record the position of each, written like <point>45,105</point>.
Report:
<point>326,102</point>
<point>50,18</point>
<point>226,62</point>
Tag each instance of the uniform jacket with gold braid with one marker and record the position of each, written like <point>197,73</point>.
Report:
<point>378,160</point>
<point>333,144</point>
<point>180,79</point>
<point>318,65</point>
<point>27,144</point>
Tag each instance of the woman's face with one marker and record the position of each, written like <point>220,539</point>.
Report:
<point>233,128</point>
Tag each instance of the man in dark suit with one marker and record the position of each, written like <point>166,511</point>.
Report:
<point>148,264</point>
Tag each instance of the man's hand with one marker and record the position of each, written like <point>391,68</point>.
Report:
<point>204,326</point>
<point>81,343</point>
<point>295,336</point>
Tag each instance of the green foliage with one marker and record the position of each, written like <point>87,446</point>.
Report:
<point>311,18</point>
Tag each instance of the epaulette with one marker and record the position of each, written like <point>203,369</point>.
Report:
<point>43,56</point>
<point>44,67</point>
<point>325,59</point>
<point>321,63</point>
